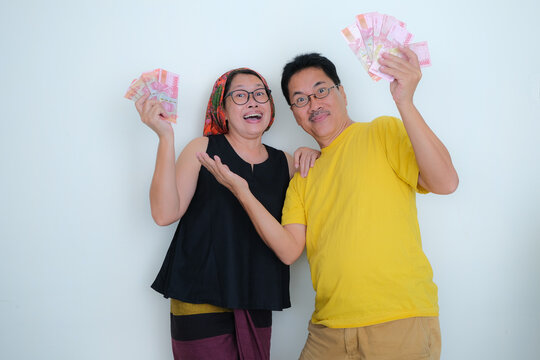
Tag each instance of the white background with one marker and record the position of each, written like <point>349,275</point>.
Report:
<point>78,247</point>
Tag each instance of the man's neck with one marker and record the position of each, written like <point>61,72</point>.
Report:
<point>328,140</point>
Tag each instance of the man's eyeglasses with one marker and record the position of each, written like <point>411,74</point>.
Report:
<point>241,97</point>
<point>302,100</point>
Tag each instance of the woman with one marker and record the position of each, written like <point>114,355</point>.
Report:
<point>222,279</point>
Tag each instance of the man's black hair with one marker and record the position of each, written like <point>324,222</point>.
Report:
<point>302,62</point>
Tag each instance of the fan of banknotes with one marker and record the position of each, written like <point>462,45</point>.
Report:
<point>374,34</point>
<point>160,84</point>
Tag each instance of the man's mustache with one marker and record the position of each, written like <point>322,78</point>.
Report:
<point>317,113</point>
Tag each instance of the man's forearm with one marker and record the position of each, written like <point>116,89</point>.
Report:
<point>437,172</point>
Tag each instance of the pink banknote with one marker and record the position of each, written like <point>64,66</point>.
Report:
<point>374,34</point>
<point>160,84</point>
<point>421,50</point>
<point>365,25</point>
<point>163,85</point>
<point>136,90</point>
<point>356,44</point>
<point>392,33</point>
<point>377,24</point>
<point>397,36</point>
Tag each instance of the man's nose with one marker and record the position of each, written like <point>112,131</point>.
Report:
<point>313,103</point>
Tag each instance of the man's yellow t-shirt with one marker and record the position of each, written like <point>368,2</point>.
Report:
<point>363,241</point>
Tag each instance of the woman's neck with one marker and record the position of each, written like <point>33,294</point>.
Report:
<point>251,150</point>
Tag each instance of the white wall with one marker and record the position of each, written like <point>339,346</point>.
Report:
<point>78,248</point>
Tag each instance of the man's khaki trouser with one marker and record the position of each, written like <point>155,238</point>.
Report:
<point>417,338</point>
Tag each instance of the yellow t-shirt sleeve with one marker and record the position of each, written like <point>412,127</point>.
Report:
<point>293,208</point>
<point>399,150</point>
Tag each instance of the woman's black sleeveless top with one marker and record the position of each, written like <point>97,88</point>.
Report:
<point>216,256</point>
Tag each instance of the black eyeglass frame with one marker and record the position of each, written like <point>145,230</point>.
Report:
<point>315,95</point>
<point>268,93</point>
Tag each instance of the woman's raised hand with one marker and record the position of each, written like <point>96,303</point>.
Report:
<point>235,183</point>
<point>154,115</point>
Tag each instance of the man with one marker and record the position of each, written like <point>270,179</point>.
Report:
<point>356,214</point>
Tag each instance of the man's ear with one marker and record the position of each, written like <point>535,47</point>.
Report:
<point>342,92</point>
